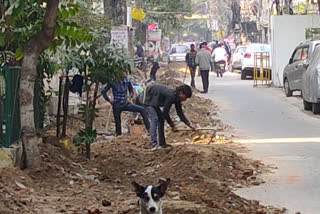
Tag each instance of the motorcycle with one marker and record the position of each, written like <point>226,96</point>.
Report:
<point>220,68</point>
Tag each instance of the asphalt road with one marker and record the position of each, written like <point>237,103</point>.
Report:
<point>276,130</point>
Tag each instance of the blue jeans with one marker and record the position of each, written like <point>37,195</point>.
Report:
<point>120,107</point>
<point>156,126</point>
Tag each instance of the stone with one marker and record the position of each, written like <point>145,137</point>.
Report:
<point>106,203</point>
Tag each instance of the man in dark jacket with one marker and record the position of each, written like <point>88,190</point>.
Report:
<point>140,51</point>
<point>191,62</point>
<point>157,96</point>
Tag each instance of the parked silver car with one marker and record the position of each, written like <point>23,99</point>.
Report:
<point>298,64</point>
<point>311,83</point>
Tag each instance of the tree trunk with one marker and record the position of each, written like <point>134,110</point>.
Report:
<point>33,49</point>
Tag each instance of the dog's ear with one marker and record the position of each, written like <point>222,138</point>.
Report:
<point>164,183</point>
<point>138,189</point>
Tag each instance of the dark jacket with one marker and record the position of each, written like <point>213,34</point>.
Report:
<point>162,96</point>
<point>140,52</point>
<point>191,58</point>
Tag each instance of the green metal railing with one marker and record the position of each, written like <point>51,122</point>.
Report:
<point>10,124</point>
<point>11,112</point>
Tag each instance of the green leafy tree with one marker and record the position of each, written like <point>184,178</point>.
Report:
<point>105,64</point>
<point>167,14</point>
<point>28,28</point>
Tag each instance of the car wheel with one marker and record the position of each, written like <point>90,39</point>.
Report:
<point>243,75</point>
<point>287,89</point>
<point>316,108</point>
<point>307,106</point>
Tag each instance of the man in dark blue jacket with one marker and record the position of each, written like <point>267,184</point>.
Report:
<point>120,102</point>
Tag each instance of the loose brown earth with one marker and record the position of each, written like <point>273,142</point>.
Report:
<point>202,175</point>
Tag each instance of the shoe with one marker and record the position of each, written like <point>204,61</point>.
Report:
<point>155,148</point>
<point>166,146</point>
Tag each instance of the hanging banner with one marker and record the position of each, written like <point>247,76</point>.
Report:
<point>154,43</point>
<point>119,36</point>
<point>138,14</point>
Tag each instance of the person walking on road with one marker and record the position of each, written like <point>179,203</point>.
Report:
<point>220,57</point>
<point>204,60</point>
<point>191,63</point>
<point>120,102</point>
<point>154,98</point>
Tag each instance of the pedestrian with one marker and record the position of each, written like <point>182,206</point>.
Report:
<point>160,96</point>
<point>206,46</point>
<point>120,101</point>
<point>215,45</point>
<point>191,63</point>
<point>139,51</point>
<point>204,61</point>
<point>228,50</point>
<point>220,57</point>
<point>153,72</point>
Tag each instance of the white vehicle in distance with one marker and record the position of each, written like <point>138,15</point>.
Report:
<point>237,57</point>
<point>177,53</point>
<point>247,62</point>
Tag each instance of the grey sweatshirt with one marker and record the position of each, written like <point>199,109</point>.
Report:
<point>204,59</point>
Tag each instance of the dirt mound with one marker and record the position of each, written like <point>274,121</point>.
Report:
<point>202,176</point>
<point>173,70</point>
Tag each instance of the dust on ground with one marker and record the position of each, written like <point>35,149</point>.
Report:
<point>204,170</point>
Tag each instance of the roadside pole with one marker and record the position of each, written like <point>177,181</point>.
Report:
<point>130,30</point>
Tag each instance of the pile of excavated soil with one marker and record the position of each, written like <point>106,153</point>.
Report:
<point>202,179</point>
<point>202,175</point>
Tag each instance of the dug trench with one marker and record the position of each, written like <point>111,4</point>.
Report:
<point>202,175</point>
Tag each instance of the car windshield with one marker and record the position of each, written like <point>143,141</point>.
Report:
<point>260,48</point>
<point>180,49</point>
<point>242,50</point>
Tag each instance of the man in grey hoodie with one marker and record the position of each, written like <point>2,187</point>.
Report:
<point>204,60</point>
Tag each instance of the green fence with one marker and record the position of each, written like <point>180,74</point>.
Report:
<point>10,124</point>
<point>11,108</point>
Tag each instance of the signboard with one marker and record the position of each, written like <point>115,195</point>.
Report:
<point>119,36</point>
<point>138,14</point>
<point>154,43</point>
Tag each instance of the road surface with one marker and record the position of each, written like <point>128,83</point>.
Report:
<point>277,131</point>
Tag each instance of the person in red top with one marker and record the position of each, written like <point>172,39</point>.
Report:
<point>206,46</point>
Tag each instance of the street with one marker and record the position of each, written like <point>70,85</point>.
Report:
<point>277,131</point>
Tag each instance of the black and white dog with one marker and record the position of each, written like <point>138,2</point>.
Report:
<point>150,196</point>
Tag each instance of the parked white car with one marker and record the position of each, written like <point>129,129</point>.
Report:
<point>237,56</point>
<point>247,62</point>
<point>177,53</point>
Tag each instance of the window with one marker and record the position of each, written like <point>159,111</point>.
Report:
<point>305,53</point>
<point>181,49</point>
<point>297,55</point>
<point>260,48</point>
<point>242,50</point>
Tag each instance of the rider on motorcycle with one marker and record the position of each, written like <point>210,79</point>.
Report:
<point>220,57</point>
